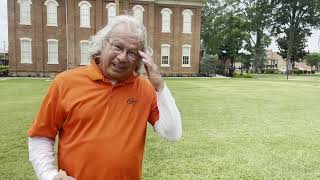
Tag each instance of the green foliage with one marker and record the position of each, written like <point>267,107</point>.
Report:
<point>237,74</point>
<point>299,46</point>
<point>313,59</point>
<point>295,19</point>
<point>208,65</point>
<point>4,70</point>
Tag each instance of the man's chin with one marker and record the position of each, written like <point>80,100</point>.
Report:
<point>117,76</point>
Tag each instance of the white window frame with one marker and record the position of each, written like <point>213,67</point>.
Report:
<point>84,56</point>
<point>25,5</point>
<point>163,54</point>
<point>111,11</point>
<point>186,25</point>
<point>188,54</point>
<point>26,58</point>
<point>52,12</point>
<point>53,50</point>
<point>136,10</point>
<point>165,28</point>
<point>85,23</point>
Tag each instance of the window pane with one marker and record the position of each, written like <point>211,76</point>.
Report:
<point>26,51</point>
<point>51,13</point>
<point>165,21</point>
<point>24,12</point>
<point>187,23</point>
<point>85,56</point>
<point>138,14</point>
<point>53,52</point>
<point>111,12</point>
<point>84,15</point>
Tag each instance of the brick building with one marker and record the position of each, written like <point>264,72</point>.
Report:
<point>50,36</point>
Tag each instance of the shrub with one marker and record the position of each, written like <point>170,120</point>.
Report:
<point>243,75</point>
<point>4,70</point>
<point>313,71</point>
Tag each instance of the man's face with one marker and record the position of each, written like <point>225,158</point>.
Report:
<point>118,57</point>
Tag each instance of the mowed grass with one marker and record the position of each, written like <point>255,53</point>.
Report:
<point>260,128</point>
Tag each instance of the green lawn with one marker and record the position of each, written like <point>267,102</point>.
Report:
<point>259,128</point>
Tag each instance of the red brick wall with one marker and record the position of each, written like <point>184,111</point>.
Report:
<point>40,33</point>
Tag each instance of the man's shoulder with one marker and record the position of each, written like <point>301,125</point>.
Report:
<point>71,77</point>
<point>73,73</point>
<point>144,82</point>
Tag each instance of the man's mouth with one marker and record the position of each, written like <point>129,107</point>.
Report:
<point>118,67</point>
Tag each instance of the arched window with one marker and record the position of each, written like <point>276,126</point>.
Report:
<point>166,19</point>
<point>53,51</point>
<point>186,51</point>
<point>52,12</point>
<point>25,12</point>
<point>84,56</point>
<point>84,14</point>
<point>138,13</point>
<point>187,20</point>
<point>111,10</point>
<point>165,55</point>
<point>26,50</point>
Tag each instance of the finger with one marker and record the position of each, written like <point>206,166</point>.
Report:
<point>62,172</point>
<point>145,56</point>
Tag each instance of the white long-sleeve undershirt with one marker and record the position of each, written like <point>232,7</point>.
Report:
<point>41,149</point>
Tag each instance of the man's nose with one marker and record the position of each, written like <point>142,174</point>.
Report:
<point>123,56</point>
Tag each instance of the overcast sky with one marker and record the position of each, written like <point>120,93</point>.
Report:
<point>313,41</point>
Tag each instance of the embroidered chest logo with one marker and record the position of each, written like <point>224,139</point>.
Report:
<point>132,101</point>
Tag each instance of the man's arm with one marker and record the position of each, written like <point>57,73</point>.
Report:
<point>169,124</point>
<point>41,155</point>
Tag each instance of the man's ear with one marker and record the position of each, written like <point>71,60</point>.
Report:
<point>139,67</point>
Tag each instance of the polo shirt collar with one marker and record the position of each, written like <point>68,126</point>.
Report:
<point>95,74</point>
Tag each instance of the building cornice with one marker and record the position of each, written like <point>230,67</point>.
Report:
<point>177,2</point>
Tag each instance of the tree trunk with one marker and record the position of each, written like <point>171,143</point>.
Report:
<point>290,48</point>
<point>257,51</point>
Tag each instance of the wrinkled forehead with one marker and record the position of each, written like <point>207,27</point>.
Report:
<point>126,34</point>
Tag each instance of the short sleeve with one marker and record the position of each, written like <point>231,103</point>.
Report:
<point>154,111</point>
<point>50,116</point>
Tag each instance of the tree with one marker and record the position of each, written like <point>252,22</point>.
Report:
<point>258,14</point>
<point>299,45</point>
<point>313,59</point>
<point>292,15</point>
<point>230,33</point>
<point>208,65</point>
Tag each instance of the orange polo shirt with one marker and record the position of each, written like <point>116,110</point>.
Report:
<point>101,127</point>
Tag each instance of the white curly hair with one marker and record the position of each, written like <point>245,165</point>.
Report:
<point>98,41</point>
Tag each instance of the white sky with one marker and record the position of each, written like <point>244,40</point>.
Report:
<point>313,41</point>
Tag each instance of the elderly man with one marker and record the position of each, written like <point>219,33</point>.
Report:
<point>100,111</point>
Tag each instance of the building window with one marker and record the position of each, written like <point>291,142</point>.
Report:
<point>26,51</point>
<point>166,16</point>
<point>187,20</point>
<point>25,11</point>
<point>52,12</point>
<point>165,55</point>
<point>53,51</point>
<point>111,10</point>
<point>186,55</point>
<point>84,14</point>
<point>138,13</point>
<point>85,56</point>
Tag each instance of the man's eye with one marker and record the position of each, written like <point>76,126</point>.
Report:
<point>132,54</point>
<point>117,47</point>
